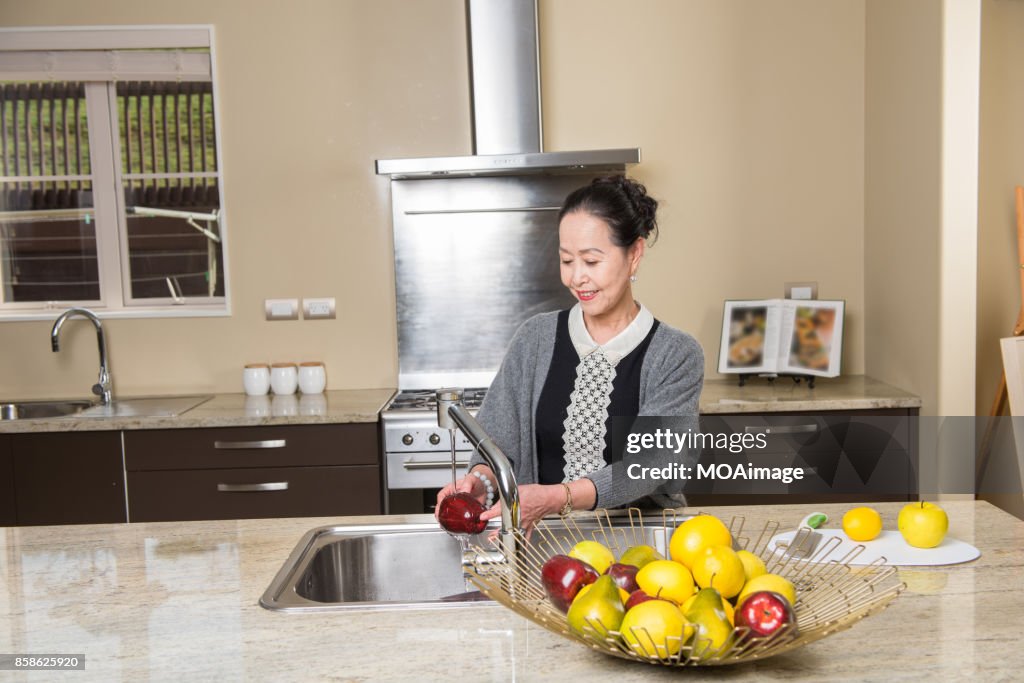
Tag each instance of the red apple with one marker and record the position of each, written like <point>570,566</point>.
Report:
<point>459,513</point>
<point>764,613</point>
<point>563,577</point>
<point>636,597</point>
<point>624,576</point>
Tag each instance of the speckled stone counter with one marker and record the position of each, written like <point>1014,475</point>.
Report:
<point>230,410</point>
<point>853,392</point>
<point>178,601</point>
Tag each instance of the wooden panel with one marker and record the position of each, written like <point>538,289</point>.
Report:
<point>7,509</point>
<point>311,492</point>
<point>68,478</point>
<point>855,454</point>
<point>231,447</point>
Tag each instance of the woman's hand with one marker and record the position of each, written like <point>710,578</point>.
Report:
<point>470,484</point>
<point>535,502</point>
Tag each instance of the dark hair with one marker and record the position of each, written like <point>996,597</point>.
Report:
<point>620,202</point>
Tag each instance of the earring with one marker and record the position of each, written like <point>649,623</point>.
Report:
<point>632,278</point>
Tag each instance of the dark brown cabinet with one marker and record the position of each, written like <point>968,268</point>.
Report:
<point>253,472</point>
<point>853,455</point>
<point>7,509</point>
<point>67,478</point>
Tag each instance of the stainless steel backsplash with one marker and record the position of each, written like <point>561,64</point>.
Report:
<point>474,258</point>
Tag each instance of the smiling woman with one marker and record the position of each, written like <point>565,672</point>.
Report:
<point>567,374</point>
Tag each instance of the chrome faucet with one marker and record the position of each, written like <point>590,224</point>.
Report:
<point>451,412</point>
<point>104,387</point>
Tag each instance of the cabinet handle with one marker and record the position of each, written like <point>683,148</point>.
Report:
<point>783,429</point>
<point>433,464</point>
<point>267,443</point>
<point>265,486</point>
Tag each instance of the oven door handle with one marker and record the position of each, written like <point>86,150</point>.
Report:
<point>433,464</point>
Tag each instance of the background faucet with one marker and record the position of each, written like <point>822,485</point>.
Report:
<point>104,387</point>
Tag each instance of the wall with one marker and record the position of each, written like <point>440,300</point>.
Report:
<point>1001,169</point>
<point>310,94</point>
<point>750,117</point>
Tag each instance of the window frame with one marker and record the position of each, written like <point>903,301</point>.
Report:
<point>107,175</point>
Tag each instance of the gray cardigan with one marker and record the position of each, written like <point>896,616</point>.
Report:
<point>670,383</point>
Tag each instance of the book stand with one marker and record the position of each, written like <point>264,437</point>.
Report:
<point>770,376</point>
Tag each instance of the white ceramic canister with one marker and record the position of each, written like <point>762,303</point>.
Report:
<point>284,378</point>
<point>312,377</point>
<point>256,379</point>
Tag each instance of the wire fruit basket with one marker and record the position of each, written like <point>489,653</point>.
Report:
<point>832,595</point>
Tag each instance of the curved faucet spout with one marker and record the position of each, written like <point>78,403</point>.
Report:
<point>104,387</point>
<point>451,412</point>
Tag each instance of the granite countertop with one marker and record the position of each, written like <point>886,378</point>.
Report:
<point>175,601</point>
<point>229,410</point>
<point>851,392</point>
<point>854,392</point>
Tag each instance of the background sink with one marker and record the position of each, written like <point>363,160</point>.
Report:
<point>160,406</point>
<point>391,566</point>
<point>28,410</point>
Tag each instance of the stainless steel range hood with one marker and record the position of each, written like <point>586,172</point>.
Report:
<point>505,85</point>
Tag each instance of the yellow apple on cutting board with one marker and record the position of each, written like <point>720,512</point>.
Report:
<point>923,525</point>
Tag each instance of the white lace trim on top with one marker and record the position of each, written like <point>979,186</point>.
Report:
<point>585,427</point>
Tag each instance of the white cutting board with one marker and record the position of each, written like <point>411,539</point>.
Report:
<point>892,547</point>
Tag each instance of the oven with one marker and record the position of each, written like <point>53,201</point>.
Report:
<point>417,453</point>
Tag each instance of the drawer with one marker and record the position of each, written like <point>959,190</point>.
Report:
<point>271,446</point>
<point>807,433</point>
<point>254,493</point>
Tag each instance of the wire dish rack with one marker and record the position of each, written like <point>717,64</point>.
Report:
<point>832,595</point>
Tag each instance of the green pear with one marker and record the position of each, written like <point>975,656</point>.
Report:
<point>599,608</point>
<point>639,555</point>
<point>712,630</point>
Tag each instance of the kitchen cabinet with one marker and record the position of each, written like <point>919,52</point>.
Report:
<point>253,472</point>
<point>851,455</point>
<point>7,510</point>
<point>67,478</point>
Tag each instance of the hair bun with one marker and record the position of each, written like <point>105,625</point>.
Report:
<point>621,202</point>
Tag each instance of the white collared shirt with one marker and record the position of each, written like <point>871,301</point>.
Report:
<point>616,348</point>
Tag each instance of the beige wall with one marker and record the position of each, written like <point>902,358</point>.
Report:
<point>1001,169</point>
<point>310,93</point>
<point>750,116</point>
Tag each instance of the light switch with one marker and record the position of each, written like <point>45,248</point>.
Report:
<point>318,309</point>
<point>281,309</point>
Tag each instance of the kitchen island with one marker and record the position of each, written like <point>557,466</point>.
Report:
<point>178,601</point>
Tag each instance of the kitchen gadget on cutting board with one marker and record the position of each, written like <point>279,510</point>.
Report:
<point>888,547</point>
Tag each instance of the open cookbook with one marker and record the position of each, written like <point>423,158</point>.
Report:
<point>782,336</point>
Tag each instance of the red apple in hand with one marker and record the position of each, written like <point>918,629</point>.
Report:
<point>764,613</point>
<point>624,576</point>
<point>459,513</point>
<point>563,577</point>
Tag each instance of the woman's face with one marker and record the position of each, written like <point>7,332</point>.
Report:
<point>594,268</point>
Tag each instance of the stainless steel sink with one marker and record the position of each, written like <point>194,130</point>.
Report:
<point>29,410</point>
<point>161,406</point>
<point>390,566</point>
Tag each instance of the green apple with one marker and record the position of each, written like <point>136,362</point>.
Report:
<point>923,525</point>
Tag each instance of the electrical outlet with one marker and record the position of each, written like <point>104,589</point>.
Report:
<point>281,309</point>
<point>318,309</point>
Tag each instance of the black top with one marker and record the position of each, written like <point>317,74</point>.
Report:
<point>556,396</point>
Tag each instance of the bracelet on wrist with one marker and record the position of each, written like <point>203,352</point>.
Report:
<point>487,485</point>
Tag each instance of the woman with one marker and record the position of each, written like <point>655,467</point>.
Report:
<point>567,373</point>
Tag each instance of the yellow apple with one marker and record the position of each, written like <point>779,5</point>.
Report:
<point>923,525</point>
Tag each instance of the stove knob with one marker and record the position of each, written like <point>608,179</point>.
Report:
<point>434,439</point>
<point>407,439</point>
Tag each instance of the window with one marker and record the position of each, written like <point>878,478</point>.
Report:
<point>110,178</point>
